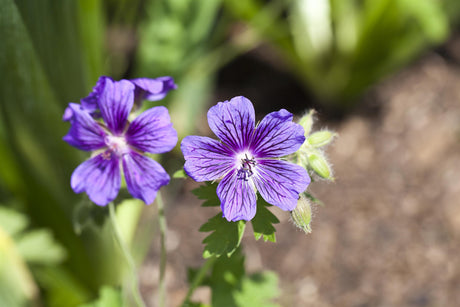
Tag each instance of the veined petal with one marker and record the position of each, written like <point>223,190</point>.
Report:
<point>280,182</point>
<point>206,159</point>
<point>153,89</point>
<point>84,132</point>
<point>90,102</point>
<point>238,198</point>
<point>144,176</point>
<point>115,102</point>
<point>152,131</point>
<point>277,136</point>
<point>233,122</point>
<point>68,114</point>
<point>99,177</point>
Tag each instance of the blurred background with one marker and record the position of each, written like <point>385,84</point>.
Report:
<point>385,74</point>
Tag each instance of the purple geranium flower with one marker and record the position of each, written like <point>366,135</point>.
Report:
<point>245,158</point>
<point>145,88</point>
<point>117,144</point>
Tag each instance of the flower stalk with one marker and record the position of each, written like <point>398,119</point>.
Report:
<point>127,254</point>
<point>163,254</point>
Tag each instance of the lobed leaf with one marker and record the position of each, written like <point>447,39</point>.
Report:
<point>232,287</point>
<point>225,236</point>
<point>208,193</point>
<point>262,223</point>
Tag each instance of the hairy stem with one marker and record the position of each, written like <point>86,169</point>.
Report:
<point>200,275</point>
<point>127,254</point>
<point>163,256</point>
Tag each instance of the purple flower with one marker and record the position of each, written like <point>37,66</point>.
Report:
<point>245,159</point>
<point>145,88</point>
<point>118,143</point>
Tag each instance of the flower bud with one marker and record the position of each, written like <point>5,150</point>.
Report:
<point>306,122</point>
<point>318,163</point>
<point>301,215</point>
<point>321,138</point>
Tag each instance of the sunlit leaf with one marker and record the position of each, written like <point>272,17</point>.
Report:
<point>258,290</point>
<point>207,192</point>
<point>12,221</point>
<point>225,236</point>
<point>17,287</point>
<point>39,247</point>
<point>108,297</point>
<point>263,222</point>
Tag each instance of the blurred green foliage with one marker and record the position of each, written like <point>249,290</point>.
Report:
<point>53,51</point>
<point>177,38</point>
<point>338,48</point>
<point>46,61</point>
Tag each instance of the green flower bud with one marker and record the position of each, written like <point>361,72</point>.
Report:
<point>301,215</point>
<point>321,138</point>
<point>306,122</point>
<point>318,163</point>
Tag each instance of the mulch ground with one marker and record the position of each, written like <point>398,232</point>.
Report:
<point>389,233</point>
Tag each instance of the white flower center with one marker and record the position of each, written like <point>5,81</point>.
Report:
<point>245,164</point>
<point>117,144</point>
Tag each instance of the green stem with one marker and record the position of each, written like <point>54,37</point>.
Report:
<point>129,259</point>
<point>162,224</point>
<point>200,275</point>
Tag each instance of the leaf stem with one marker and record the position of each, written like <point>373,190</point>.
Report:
<point>127,254</point>
<point>163,256</point>
<point>200,275</point>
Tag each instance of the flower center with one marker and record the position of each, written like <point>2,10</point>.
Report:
<point>245,164</point>
<point>117,144</point>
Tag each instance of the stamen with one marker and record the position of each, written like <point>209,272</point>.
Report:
<point>117,144</point>
<point>106,155</point>
<point>246,167</point>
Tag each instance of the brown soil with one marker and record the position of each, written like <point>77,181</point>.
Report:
<point>389,233</point>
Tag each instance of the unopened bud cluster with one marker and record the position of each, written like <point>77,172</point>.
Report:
<point>311,155</point>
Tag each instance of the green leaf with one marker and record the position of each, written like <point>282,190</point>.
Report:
<point>258,290</point>
<point>208,193</point>
<point>232,287</point>
<point>62,289</point>
<point>180,174</point>
<point>225,236</point>
<point>12,221</point>
<point>225,278</point>
<point>39,246</point>
<point>262,223</point>
<point>17,287</point>
<point>108,297</point>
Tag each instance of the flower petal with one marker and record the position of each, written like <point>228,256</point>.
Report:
<point>68,114</point>
<point>144,176</point>
<point>90,102</point>
<point>206,159</point>
<point>99,177</point>
<point>153,89</point>
<point>280,182</point>
<point>84,132</point>
<point>152,131</point>
<point>115,102</point>
<point>233,122</point>
<point>238,198</point>
<point>277,135</point>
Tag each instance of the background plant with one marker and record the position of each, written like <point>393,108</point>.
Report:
<point>52,52</point>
